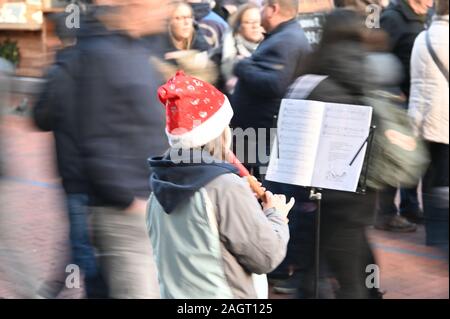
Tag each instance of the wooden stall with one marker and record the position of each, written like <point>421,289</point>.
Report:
<point>27,23</point>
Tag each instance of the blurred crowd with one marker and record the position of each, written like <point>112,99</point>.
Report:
<point>105,103</point>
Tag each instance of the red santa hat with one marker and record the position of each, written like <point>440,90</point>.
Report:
<point>196,112</point>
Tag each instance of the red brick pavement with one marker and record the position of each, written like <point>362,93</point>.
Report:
<point>408,268</point>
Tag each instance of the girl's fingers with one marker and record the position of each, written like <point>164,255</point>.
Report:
<point>291,203</point>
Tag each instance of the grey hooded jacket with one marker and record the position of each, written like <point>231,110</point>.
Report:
<point>209,233</point>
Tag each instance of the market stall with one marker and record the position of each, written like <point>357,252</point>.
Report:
<point>26,36</point>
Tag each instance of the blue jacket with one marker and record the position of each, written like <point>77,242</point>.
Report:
<point>265,77</point>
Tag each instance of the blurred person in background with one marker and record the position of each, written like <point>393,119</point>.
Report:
<point>15,263</point>
<point>241,41</point>
<point>184,47</point>
<point>403,20</point>
<point>121,124</point>
<point>429,106</point>
<point>184,34</point>
<point>6,71</point>
<point>212,25</point>
<point>56,110</point>
<point>226,8</point>
<point>335,73</point>
<point>264,78</point>
<point>360,6</point>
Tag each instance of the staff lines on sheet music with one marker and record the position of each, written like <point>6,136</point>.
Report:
<point>295,125</point>
<point>297,137</point>
<point>298,155</point>
<point>292,151</point>
<point>294,111</point>
<point>303,116</point>
<point>296,165</point>
<point>295,130</point>
<point>287,172</point>
<point>348,112</point>
<point>342,134</point>
<point>354,129</point>
<point>297,145</point>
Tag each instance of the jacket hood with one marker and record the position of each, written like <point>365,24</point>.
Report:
<point>174,181</point>
<point>405,9</point>
<point>90,24</point>
<point>201,10</point>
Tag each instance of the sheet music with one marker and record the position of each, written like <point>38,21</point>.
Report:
<point>294,150</point>
<point>344,130</point>
<point>316,143</point>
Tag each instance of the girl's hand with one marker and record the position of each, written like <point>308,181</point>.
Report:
<point>279,203</point>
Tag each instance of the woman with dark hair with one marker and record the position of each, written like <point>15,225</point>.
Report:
<point>336,74</point>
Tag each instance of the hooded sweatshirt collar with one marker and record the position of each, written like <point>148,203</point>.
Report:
<point>405,9</point>
<point>201,10</point>
<point>174,181</point>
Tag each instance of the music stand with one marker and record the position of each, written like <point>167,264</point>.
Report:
<point>316,195</point>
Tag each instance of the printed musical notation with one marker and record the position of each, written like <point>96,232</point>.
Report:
<point>316,142</point>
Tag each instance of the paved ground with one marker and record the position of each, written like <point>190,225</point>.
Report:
<point>32,195</point>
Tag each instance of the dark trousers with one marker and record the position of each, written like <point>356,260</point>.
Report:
<point>435,196</point>
<point>83,253</point>
<point>409,201</point>
<point>344,245</point>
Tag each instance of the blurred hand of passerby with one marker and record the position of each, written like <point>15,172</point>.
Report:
<point>138,206</point>
<point>231,83</point>
<point>279,203</point>
<point>192,62</point>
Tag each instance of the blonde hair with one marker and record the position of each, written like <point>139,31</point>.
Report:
<point>220,146</point>
<point>188,42</point>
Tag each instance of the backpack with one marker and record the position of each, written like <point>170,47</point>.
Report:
<point>397,156</point>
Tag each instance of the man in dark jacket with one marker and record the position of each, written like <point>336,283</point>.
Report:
<point>403,20</point>
<point>57,110</point>
<point>264,78</point>
<point>121,124</point>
